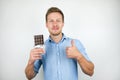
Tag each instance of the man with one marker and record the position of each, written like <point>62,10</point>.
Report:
<point>61,55</point>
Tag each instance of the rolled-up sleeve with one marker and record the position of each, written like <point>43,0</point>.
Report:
<point>81,49</point>
<point>37,65</point>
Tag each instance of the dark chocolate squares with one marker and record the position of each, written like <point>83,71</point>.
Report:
<point>38,40</point>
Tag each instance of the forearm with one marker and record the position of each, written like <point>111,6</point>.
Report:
<point>86,66</point>
<point>29,71</point>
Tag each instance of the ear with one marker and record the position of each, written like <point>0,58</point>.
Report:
<point>62,24</point>
<point>46,25</point>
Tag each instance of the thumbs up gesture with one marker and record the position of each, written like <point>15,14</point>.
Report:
<point>72,51</point>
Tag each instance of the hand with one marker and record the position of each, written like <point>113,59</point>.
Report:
<point>72,51</point>
<point>35,54</point>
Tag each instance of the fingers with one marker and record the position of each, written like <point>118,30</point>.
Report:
<point>68,49</point>
<point>71,50</point>
<point>72,43</point>
<point>37,51</point>
<point>37,57</point>
<point>35,54</point>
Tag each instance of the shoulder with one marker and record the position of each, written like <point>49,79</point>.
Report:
<point>76,41</point>
<point>47,41</point>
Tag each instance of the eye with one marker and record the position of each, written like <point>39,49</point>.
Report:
<point>50,20</point>
<point>58,20</point>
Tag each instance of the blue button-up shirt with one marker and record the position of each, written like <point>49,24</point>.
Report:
<point>56,64</point>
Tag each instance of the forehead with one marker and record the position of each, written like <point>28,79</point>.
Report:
<point>54,15</point>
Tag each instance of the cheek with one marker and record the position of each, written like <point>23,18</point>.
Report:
<point>62,25</point>
<point>46,25</point>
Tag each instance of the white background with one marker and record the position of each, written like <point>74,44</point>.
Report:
<point>96,23</point>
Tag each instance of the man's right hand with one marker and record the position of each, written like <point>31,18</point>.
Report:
<point>35,54</point>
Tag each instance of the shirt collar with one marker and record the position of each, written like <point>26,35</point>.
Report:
<point>63,37</point>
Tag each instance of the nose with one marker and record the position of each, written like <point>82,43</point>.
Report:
<point>54,23</point>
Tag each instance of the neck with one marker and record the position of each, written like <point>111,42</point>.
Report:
<point>56,38</point>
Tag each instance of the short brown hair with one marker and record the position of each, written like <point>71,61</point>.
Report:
<point>54,9</point>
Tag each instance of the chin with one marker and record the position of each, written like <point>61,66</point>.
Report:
<point>56,34</point>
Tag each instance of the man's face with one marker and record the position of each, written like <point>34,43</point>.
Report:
<point>54,23</point>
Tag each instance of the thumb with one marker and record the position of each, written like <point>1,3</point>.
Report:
<point>72,43</point>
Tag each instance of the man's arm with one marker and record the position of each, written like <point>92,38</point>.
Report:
<point>35,54</point>
<point>29,71</point>
<point>86,66</point>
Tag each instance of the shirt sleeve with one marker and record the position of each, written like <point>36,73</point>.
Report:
<point>37,65</point>
<point>81,49</point>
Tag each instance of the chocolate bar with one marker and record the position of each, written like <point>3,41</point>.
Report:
<point>38,40</point>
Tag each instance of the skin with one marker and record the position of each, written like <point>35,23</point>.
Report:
<point>54,24</point>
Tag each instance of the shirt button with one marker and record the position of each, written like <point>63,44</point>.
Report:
<point>58,63</point>
<point>59,72</point>
<point>57,46</point>
<point>58,54</point>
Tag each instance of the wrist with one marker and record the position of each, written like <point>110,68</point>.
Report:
<point>30,62</point>
<point>79,57</point>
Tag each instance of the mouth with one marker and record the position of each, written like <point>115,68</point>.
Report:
<point>55,28</point>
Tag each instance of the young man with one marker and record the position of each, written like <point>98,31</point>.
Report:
<point>61,55</point>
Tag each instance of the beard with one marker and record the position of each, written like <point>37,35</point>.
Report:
<point>55,34</point>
